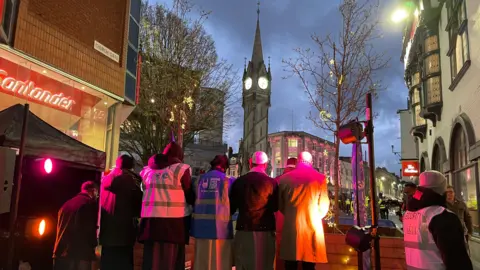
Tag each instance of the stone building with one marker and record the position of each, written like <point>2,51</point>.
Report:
<point>442,63</point>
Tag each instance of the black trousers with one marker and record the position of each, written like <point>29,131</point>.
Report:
<point>71,264</point>
<point>117,258</point>
<point>163,256</point>
<point>293,265</point>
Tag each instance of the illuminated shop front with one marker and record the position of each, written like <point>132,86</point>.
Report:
<point>75,108</point>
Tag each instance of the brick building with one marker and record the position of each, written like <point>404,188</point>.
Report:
<point>80,54</point>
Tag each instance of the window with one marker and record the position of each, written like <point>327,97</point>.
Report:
<point>132,57</point>
<point>437,162</point>
<point>130,87</point>
<point>458,34</point>
<point>135,9</point>
<point>292,143</point>
<point>464,178</point>
<point>133,33</point>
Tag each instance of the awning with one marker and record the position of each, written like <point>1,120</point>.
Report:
<point>43,140</point>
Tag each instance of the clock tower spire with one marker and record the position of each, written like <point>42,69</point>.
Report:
<point>256,101</point>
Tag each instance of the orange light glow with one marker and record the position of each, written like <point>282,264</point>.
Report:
<point>41,227</point>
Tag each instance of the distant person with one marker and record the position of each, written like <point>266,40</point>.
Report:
<point>77,230</point>
<point>460,209</point>
<point>211,220</point>
<point>408,190</point>
<point>121,202</point>
<point>255,196</point>
<point>434,237</point>
<point>291,164</point>
<point>304,202</point>
<point>166,210</point>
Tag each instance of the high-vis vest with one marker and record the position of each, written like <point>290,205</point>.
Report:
<point>421,252</point>
<point>163,195</point>
<point>211,217</point>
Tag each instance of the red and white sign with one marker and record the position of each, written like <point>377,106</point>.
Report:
<point>410,168</point>
<point>19,81</point>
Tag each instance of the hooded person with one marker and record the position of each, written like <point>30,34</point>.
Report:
<point>255,196</point>
<point>433,235</point>
<point>166,210</point>
<point>304,202</point>
<point>120,202</point>
<point>211,220</point>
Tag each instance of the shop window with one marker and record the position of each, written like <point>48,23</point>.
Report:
<point>133,33</point>
<point>135,6</point>
<point>458,34</point>
<point>464,178</point>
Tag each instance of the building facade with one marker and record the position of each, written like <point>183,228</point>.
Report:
<point>442,60</point>
<point>256,93</point>
<point>388,184</point>
<point>287,144</point>
<point>408,148</point>
<point>74,63</point>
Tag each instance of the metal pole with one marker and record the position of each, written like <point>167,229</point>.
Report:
<point>373,197</point>
<point>16,194</point>
<point>357,201</point>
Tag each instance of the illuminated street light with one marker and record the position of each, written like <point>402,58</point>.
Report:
<point>399,15</point>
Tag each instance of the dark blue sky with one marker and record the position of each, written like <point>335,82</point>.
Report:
<point>288,24</point>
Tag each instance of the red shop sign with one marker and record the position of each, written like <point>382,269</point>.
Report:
<point>410,168</point>
<point>22,82</point>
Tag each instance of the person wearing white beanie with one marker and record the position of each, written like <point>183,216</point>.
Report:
<point>433,236</point>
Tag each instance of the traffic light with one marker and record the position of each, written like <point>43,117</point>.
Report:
<point>351,132</point>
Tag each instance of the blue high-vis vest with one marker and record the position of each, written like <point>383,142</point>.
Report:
<point>211,218</point>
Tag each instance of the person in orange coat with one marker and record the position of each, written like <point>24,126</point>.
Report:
<point>291,164</point>
<point>303,200</point>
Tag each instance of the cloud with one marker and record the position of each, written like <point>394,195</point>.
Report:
<point>288,24</point>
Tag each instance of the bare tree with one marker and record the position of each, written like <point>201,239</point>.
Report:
<point>340,71</point>
<point>183,86</point>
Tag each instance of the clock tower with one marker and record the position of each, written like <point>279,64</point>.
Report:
<point>256,101</point>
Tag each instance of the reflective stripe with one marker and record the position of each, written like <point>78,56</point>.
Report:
<point>165,186</point>
<point>206,201</point>
<point>211,216</point>
<point>165,204</point>
<point>420,246</point>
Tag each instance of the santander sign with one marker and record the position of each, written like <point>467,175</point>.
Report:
<point>29,90</point>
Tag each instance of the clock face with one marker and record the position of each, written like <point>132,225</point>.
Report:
<point>263,83</point>
<point>248,83</point>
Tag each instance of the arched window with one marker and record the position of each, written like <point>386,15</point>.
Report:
<point>437,162</point>
<point>464,179</point>
<point>422,165</point>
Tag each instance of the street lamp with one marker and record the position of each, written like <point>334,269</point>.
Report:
<point>399,15</point>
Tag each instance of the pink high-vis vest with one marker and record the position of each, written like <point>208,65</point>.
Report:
<point>163,195</point>
<point>421,252</point>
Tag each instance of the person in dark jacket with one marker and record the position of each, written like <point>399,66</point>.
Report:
<point>166,210</point>
<point>433,235</point>
<point>77,230</point>
<point>408,190</point>
<point>255,196</point>
<point>121,202</point>
<point>460,209</point>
